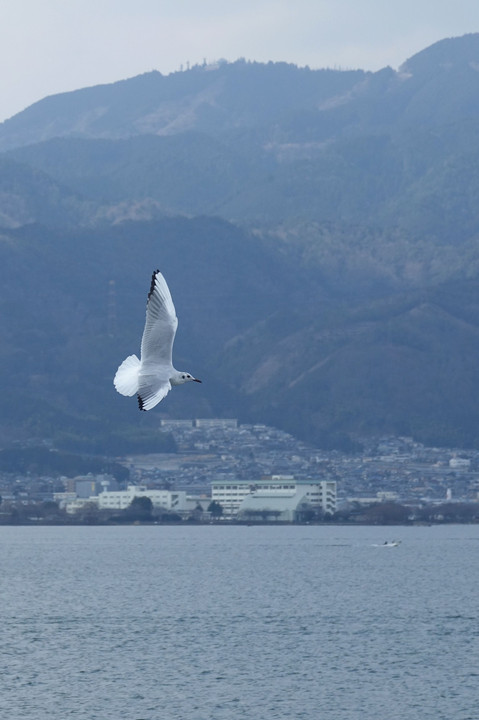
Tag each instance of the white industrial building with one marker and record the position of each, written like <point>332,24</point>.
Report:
<point>288,506</point>
<point>209,423</point>
<point>171,424</point>
<point>173,500</point>
<point>205,423</point>
<point>458,463</point>
<point>381,497</point>
<point>121,499</point>
<point>281,497</point>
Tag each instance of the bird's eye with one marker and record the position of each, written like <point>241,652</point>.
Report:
<point>182,377</point>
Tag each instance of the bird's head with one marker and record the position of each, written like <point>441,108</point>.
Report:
<point>183,377</point>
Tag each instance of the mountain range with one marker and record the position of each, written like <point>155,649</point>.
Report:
<point>318,229</point>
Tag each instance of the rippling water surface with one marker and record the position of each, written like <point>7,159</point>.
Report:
<point>219,623</point>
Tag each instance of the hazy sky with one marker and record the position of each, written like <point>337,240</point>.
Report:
<point>51,46</point>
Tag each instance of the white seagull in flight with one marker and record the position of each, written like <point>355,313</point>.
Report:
<point>152,377</point>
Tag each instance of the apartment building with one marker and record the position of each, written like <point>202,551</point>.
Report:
<point>274,492</point>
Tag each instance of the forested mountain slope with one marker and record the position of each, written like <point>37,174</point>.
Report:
<point>318,228</point>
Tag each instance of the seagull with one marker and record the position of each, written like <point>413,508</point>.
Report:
<point>152,377</point>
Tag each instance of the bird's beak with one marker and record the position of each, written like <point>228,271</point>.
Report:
<point>196,380</point>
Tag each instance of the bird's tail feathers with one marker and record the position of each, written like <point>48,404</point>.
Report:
<point>126,378</point>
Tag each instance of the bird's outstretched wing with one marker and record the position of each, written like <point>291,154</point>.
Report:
<point>160,327</point>
<point>152,389</point>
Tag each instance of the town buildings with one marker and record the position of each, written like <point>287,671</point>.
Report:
<point>258,472</point>
<point>279,498</point>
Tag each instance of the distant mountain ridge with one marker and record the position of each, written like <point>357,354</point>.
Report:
<point>277,99</point>
<point>219,99</point>
<point>268,143</point>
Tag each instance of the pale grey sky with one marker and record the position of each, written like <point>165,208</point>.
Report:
<point>52,46</point>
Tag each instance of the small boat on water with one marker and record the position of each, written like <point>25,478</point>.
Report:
<point>389,543</point>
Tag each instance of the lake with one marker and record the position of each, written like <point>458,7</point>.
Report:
<point>220,623</point>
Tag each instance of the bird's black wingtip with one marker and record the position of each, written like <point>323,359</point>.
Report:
<point>140,403</point>
<point>152,284</point>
